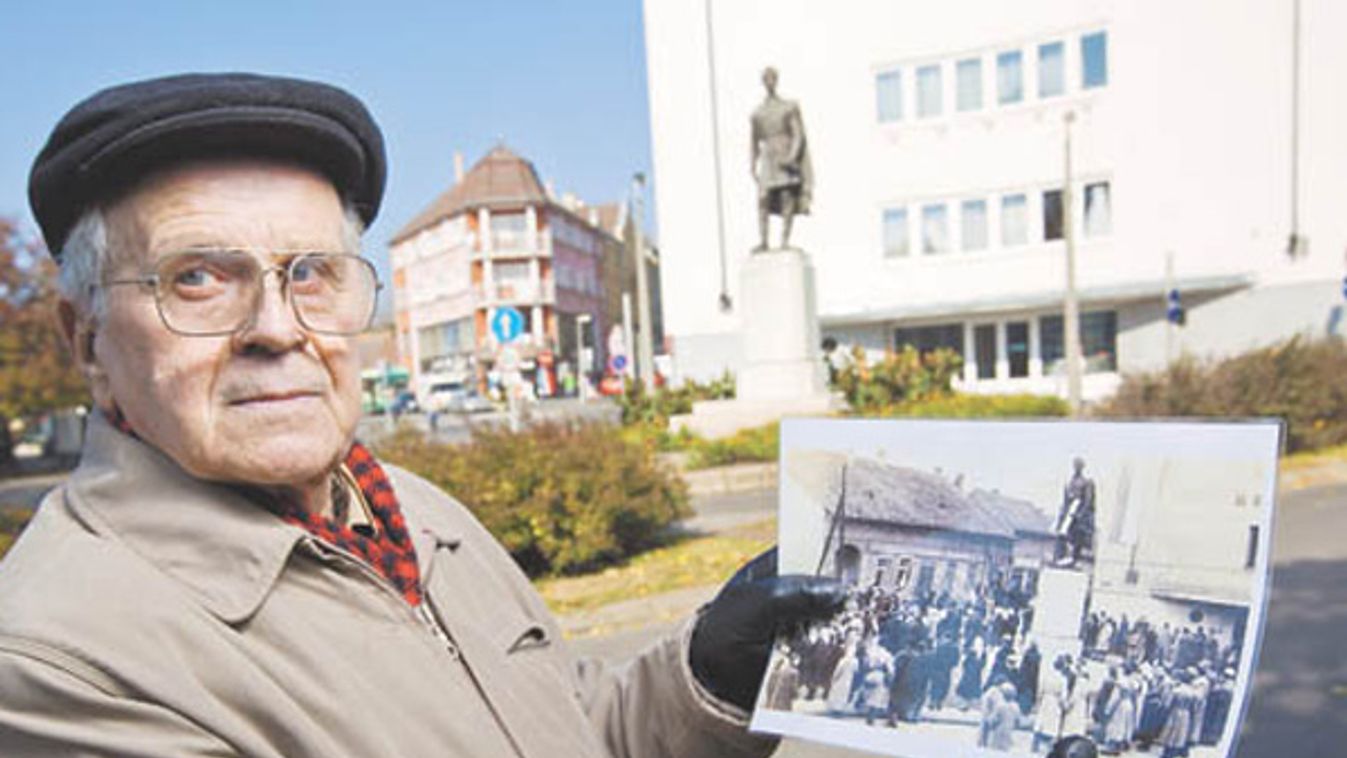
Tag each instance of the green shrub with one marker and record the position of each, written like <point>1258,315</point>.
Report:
<point>561,498</point>
<point>899,377</point>
<point>658,438</point>
<point>1299,380</point>
<point>655,408</point>
<point>959,405</point>
<point>760,443</point>
<point>12,522</point>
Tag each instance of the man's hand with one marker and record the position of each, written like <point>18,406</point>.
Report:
<point>733,637</point>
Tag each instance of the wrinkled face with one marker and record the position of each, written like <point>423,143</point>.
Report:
<point>271,404</point>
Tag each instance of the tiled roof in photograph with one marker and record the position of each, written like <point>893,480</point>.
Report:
<point>879,491</point>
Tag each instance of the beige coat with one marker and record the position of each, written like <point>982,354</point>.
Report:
<point>147,613</point>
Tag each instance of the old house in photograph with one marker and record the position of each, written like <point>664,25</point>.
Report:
<point>922,531</point>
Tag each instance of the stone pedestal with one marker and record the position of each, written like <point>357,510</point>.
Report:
<point>1059,610</point>
<point>783,372</point>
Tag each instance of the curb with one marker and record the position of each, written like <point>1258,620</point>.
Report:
<point>754,477</point>
<point>725,480</point>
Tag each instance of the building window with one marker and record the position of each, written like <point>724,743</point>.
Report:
<point>934,229</point>
<point>1251,552</point>
<point>1014,220</point>
<point>973,224</point>
<point>1094,60</point>
<point>968,76</point>
<point>928,91</point>
<point>1017,348</point>
<point>881,568</point>
<point>514,280</point>
<point>895,233</point>
<point>1051,69</point>
<point>889,96</point>
<point>1052,215</point>
<point>927,339</point>
<point>508,230</point>
<point>984,350</point>
<point>440,342</point>
<point>1098,210</point>
<point>902,575</point>
<point>1009,77</point>
<point>1098,342</point>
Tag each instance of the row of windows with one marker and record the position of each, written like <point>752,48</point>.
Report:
<point>1098,339</point>
<point>572,235</point>
<point>976,225</point>
<point>447,338</point>
<point>1008,85</point>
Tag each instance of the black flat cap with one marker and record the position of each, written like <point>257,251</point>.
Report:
<point>114,137</point>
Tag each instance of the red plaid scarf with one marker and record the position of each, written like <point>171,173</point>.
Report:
<point>388,551</point>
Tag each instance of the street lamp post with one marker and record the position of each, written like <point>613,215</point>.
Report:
<point>645,357</point>
<point>1071,309</point>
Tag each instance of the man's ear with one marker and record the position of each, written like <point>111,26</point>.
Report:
<point>79,333</point>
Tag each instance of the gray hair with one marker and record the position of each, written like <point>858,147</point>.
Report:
<point>87,254</point>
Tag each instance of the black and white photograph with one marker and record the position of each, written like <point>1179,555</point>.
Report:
<point>1014,583</point>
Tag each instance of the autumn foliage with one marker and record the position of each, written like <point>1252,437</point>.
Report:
<point>36,370</point>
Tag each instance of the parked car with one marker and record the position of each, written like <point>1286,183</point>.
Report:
<point>456,397</point>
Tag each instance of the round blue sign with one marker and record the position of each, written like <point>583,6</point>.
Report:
<point>507,324</point>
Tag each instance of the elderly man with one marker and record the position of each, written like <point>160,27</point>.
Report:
<point>228,572</point>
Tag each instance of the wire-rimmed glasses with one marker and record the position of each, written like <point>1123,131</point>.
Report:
<point>204,293</point>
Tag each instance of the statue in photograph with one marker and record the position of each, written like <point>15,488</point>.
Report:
<point>1075,521</point>
<point>780,161</point>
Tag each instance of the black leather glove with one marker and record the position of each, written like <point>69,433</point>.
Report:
<point>734,635</point>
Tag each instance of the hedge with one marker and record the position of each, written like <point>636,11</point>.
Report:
<point>1300,380</point>
<point>956,405</point>
<point>562,498</point>
<point>903,376</point>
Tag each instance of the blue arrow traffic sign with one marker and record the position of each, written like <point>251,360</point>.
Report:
<point>507,324</point>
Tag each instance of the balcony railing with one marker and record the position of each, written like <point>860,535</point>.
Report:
<point>511,293</point>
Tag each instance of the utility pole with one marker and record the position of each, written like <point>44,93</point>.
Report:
<point>1071,314</point>
<point>645,353</point>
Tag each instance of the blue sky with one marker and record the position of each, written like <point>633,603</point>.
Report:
<point>561,83</point>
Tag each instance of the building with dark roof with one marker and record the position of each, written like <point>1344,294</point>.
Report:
<point>495,240</point>
<point>918,531</point>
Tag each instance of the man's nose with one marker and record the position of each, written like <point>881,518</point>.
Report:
<point>273,327</point>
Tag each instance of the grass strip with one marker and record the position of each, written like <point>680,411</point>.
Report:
<point>690,562</point>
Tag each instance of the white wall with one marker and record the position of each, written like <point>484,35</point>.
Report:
<point>1192,131</point>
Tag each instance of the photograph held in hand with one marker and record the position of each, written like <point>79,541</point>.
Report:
<point>1012,585</point>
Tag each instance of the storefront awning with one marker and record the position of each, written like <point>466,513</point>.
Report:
<point>1038,300</point>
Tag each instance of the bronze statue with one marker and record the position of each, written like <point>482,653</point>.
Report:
<point>780,161</point>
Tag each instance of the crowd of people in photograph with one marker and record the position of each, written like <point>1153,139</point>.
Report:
<point>1164,685</point>
<point>891,660</point>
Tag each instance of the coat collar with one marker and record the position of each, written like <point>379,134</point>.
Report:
<point>225,549</point>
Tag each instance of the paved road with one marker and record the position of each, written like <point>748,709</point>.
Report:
<point>1299,707</point>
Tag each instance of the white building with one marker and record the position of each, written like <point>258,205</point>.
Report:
<point>1207,135</point>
